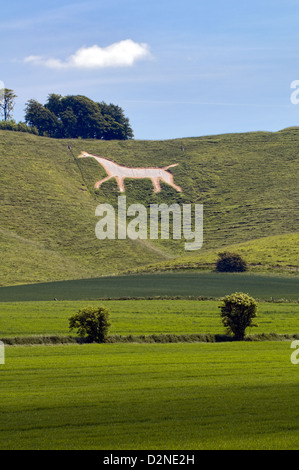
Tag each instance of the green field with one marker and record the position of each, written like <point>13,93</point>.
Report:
<point>141,317</point>
<point>187,396</point>
<point>195,284</point>
<point>148,396</point>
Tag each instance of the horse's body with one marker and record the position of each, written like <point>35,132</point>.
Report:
<point>120,172</point>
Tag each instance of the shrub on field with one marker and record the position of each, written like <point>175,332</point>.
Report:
<point>237,312</point>
<point>230,263</point>
<point>91,322</point>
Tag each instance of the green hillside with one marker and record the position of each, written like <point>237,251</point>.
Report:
<point>248,184</point>
<point>276,254</point>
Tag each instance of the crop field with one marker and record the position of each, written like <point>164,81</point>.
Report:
<point>236,395</point>
<point>195,284</point>
<point>183,396</point>
<point>141,317</point>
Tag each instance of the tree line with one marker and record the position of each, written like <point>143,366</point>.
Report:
<point>238,312</point>
<point>72,116</point>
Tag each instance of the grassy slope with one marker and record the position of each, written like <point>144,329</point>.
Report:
<point>47,217</point>
<point>247,183</point>
<point>279,254</point>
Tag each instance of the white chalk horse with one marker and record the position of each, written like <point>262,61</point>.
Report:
<point>120,172</point>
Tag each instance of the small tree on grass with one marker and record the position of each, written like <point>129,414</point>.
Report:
<point>238,312</point>
<point>92,323</point>
<point>230,263</point>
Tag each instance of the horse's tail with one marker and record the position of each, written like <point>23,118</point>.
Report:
<point>170,166</point>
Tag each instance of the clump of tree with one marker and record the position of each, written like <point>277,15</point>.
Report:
<point>238,312</point>
<point>91,323</point>
<point>230,263</point>
<point>76,116</point>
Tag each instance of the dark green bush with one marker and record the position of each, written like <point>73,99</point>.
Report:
<point>91,322</point>
<point>20,127</point>
<point>230,263</point>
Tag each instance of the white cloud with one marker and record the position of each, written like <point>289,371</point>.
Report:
<point>120,54</point>
<point>33,58</point>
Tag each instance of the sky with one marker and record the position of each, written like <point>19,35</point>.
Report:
<point>177,68</point>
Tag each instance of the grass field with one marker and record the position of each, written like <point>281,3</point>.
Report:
<point>141,317</point>
<point>187,396</point>
<point>185,284</point>
<point>148,396</point>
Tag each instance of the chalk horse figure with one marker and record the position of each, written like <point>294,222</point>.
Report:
<point>120,172</point>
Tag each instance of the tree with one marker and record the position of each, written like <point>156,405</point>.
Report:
<point>117,125</point>
<point>36,115</point>
<point>54,104</point>
<point>69,123</point>
<point>7,103</point>
<point>91,322</point>
<point>86,114</point>
<point>237,312</point>
<point>230,262</point>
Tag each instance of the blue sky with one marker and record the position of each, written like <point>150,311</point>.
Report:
<point>177,68</point>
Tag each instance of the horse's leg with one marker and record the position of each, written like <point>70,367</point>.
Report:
<point>171,183</point>
<point>98,183</point>
<point>156,184</point>
<point>120,182</point>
